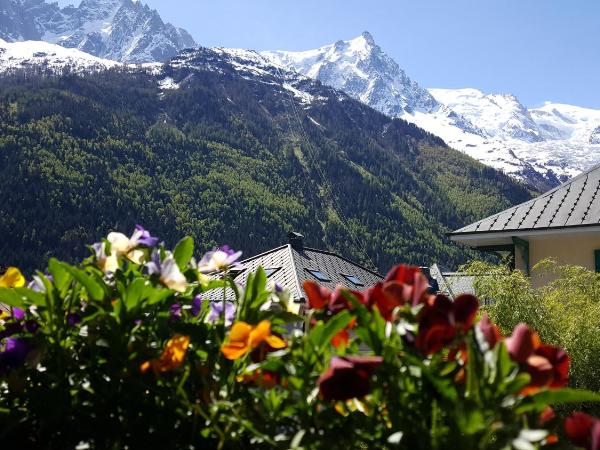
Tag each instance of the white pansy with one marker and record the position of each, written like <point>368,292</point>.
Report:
<point>171,276</point>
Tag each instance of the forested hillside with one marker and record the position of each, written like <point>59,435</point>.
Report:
<point>226,158</point>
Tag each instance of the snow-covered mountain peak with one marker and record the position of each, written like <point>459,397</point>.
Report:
<point>498,115</point>
<point>361,69</point>
<point>122,30</point>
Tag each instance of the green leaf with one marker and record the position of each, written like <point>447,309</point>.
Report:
<point>472,391</point>
<point>61,278</point>
<point>94,290</point>
<point>517,384</point>
<point>159,295</point>
<point>541,399</point>
<point>183,252</point>
<point>33,297</point>
<point>11,297</point>
<point>470,419</point>
<point>331,328</point>
<point>135,293</point>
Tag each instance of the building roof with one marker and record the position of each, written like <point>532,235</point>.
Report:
<point>291,264</point>
<point>452,283</point>
<point>574,204</point>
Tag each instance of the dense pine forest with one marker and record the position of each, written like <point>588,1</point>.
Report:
<point>226,159</point>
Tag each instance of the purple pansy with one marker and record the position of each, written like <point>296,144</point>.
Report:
<point>175,311</point>
<point>142,236</point>
<point>73,319</point>
<point>219,259</point>
<point>31,326</point>
<point>18,313</point>
<point>196,305</point>
<point>216,312</point>
<point>14,354</point>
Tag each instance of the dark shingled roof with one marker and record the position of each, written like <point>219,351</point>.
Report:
<point>575,203</point>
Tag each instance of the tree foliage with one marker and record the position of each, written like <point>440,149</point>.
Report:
<point>226,159</point>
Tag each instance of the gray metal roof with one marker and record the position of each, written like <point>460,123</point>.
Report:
<point>292,267</point>
<point>575,203</point>
<point>452,283</point>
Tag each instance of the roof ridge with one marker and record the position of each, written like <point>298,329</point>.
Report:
<point>281,247</point>
<point>296,278</point>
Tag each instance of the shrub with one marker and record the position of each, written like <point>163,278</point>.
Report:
<point>566,312</point>
<point>141,347</point>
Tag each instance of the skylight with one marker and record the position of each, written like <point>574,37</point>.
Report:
<point>353,279</point>
<point>318,275</point>
<point>271,270</point>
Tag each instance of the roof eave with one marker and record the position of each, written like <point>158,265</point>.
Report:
<point>471,236</point>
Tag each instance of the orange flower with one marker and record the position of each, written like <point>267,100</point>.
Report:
<point>244,338</point>
<point>172,356</point>
<point>342,337</point>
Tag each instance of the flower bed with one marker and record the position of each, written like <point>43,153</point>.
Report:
<point>126,350</point>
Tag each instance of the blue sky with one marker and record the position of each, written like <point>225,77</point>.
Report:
<point>538,50</point>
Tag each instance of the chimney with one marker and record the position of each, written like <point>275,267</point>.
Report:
<point>296,240</point>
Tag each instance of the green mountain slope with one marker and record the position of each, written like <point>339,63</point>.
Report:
<point>227,157</point>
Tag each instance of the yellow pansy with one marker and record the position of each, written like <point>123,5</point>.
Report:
<point>12,278</point>
<point>244,338</point>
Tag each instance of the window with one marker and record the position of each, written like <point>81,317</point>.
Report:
<point>318,275</point>
<point>270,271</point>
<point>353,279</point>
<point>597,258</point>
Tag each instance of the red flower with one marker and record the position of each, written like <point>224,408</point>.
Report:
<point>583,430</point>
<point>321,298</point>
<point>348,377</point>
<point>442,319</point>
<point>318,296</point>
<point>490,332</point>
<point>406,284</point>
<point>547,365</point>
<point>402,285</point>
<point>559,360</point>
<point>413,283</point>
<point>522,343</point>
<point>547,415</point>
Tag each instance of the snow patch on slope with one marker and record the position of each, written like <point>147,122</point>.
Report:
<point>46,56</point>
